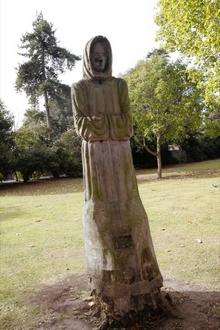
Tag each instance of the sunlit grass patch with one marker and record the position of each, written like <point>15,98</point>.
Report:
<point>42,240</point>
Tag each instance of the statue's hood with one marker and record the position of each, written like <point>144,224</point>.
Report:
<point>88,72</point>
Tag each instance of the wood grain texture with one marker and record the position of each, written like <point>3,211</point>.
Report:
<point>120,257</point>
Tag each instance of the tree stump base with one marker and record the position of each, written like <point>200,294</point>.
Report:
<point>155,311</point>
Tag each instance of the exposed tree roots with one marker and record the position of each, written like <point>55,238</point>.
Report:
<point>147,318</point>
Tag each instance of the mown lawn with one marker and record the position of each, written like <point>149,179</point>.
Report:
<point>42,242</point>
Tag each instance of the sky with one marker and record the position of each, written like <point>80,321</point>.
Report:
<point>128,24</point>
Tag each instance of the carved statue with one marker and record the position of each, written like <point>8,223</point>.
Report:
<point>120,257</point>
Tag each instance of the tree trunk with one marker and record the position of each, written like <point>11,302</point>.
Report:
<point>159,165</point>
<point>46,104</point>
<point>16,176</point>
<point>153,153</point>
<point>156,154</point>
<point>47,111</point>
<point>124,275</point>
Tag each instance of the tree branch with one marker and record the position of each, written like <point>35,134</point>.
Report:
<point>148,149</point>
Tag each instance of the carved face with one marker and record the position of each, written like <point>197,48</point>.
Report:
<point>99,57</point>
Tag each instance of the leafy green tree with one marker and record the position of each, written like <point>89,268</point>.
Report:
<point>212,98</point>
<point>211,126</point>
<point>69,152</point>
<point>6,140</point>
<point>166,102</point>
<point>38,76</point>
<point>32,144</point>
<point>193,28</point>
<point>37,155</point>
<point>30,162</point>
<point>34,117</point>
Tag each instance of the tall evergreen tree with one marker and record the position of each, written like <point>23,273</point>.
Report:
<point>39,75</point>
<point>61,112</point>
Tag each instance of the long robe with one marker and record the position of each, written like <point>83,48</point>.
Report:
<point>120,257</point>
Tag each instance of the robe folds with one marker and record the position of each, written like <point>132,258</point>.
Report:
<point>120,257</point>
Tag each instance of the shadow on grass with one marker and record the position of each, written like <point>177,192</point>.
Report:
<point>42,187</point>
<point>11,213</point>
<point>141,178</point>
<point>69,185</point>
<point>63,306</point>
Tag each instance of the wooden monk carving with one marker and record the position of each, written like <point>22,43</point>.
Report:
<point>120,256</point>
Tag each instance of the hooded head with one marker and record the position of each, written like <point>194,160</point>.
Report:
<point>97,59</point>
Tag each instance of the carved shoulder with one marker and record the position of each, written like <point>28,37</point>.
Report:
<point>123,94</point>
<point>77,86</point>
<point>122,84</point>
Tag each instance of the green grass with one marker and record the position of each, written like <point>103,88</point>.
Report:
<point>42,242</point>
<point>208,167</point>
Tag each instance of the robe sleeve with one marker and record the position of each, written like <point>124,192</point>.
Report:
<point>121,125</point>
<point>89,128</point>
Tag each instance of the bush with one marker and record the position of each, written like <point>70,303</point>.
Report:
<point>30,161</point>
<point>62,157</point>
<point>201,148</point>
<point>69,153</point>
<point>1,177</point>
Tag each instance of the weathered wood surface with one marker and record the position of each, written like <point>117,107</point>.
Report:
<point>120,257</point>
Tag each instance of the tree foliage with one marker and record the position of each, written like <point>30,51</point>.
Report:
<point>61,112</point>
<point>6,140</point>
<point>69,151</point>
<point>165,100</point>
<point>38,155</point>
<point>39,75</point>
<point>193,28</point>
<point>31,139</point>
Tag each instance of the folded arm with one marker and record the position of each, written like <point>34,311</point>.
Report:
<point>123,123</point>
<point>90,128</point>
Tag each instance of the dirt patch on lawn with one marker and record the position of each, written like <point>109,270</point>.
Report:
<point>65,305</point>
